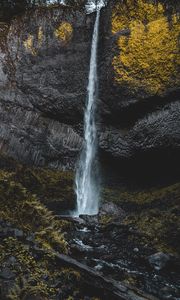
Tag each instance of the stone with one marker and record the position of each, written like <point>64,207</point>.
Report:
<point>90,220</point>
<point>12,260</point>
<point>6,273</point>
<point>112,210</point>
<point>159,260</point>
<point>18,233</point>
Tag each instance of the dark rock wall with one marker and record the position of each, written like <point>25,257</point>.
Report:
<point>44,69</point>
<point>139,85</point>
<point>44,62</point>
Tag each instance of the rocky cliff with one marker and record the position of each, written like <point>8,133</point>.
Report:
<point>44,63</point>
<point>44,68</point>
<point>132,246</point>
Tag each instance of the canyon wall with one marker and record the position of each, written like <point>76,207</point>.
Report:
<point>44,58</point>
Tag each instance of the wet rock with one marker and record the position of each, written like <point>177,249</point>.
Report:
<point>18,233</point>
<point>5,287</point>
<point>112,211</point>
<point>6,273</point>
<point>72,219</point>
<point>90,220</point>
<point>3,232</point>
<point>159,260</point>
<point>117,251</point>
<point>11,260</point>
<point>98,267</point>
<point>30,237</point>
<point>80,248</point>
<point>35,297</point>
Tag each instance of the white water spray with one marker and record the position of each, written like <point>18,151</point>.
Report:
<point>87,188</point>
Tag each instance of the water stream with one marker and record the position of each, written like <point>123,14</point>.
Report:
<point>87,187</point>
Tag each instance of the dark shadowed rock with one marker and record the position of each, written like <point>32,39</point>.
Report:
<point>44,64</point>
<point>44,68</point>
<point>6,273</point>
<point>18,233</point>
<point>90,220</point>
<point>112,211</point>
<point>159,260</point>
<point>155,131</point>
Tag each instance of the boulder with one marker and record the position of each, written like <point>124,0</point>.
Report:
<point>159,260</point>
<point>6,273</point>
<point>112,212</point>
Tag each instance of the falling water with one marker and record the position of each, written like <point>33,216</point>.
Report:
<point>87,188</point>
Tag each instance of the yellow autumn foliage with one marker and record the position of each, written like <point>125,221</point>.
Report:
<point>64,32</point>
<point>28,44</point>
<point>149,57</point>
<point>141,10</point>
<point>40,36</point>
<point>33,43</point>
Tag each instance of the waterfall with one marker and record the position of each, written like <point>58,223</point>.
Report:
<point>87,187</point>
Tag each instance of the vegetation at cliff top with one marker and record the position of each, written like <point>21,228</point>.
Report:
<point>11,8</point>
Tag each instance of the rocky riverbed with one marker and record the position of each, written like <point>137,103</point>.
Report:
<point>118,251</point>
<point>130,250</point>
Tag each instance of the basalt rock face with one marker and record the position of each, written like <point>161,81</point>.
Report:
<point>139,83</point>
<point>153,142</point>
<point>44,67</point>
<point>44,62</point>
<point>138,67</point>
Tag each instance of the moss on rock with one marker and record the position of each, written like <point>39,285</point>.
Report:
<point>21,208</point>
<point>35,275</point>
<point>154,212</point>
<point>53,188</point>
<point>30,233</point>
<point>148,58</point>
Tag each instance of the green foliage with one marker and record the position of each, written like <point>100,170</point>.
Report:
<point>154,212</point>
<point>35,275</point>
<point>160,228</point>
<point>33,262</point>
<point>105,219</point>
<point>125,196</point>
<point>51,186</point>
<point>29,270</point>
<point>24,210</point>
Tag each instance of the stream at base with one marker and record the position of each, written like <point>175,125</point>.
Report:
<point>113,251</point>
